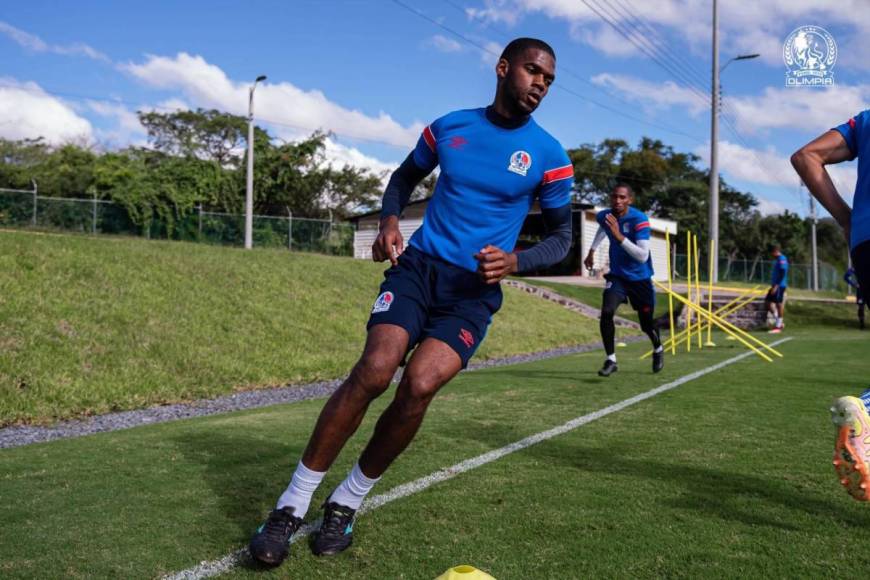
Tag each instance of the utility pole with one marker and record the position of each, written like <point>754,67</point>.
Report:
<point>714,145</point>
<point>249,190</point>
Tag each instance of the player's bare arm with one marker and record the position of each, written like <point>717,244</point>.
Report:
<point>810,160</point>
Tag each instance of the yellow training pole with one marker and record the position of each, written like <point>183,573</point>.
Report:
<point>723,311</point>
<point>670,289</point>
<point>712,256</point>
<point>698,290</point>
<point>723,325</point>
<point>689,287</point>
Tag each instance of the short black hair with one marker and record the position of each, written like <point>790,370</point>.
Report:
<point>773,247</point>
<point>519,45</point>
<point>624,186</point>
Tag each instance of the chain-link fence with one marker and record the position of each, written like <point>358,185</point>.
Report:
<point>760,272</point>
<point>21,208</point>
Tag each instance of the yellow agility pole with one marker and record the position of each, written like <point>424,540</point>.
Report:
<point>689,287</point>
<point>698,290</point>
<point>711,256</point>
<point>735,289</point>
<point>732,330</point>
<point>670,289</point>
<point>722,311</point>
<point>720,324</point>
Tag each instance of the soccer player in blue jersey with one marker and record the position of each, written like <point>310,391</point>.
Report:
<point>442,289</point>
<point>774,302</point>
<point>851,279</point>
<point>630,276</point>
<point>843,143</point>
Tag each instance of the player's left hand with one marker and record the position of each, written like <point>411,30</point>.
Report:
<point>613,226</point>
<point>494,264</point>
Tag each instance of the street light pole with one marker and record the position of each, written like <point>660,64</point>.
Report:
<point>249,190</point>
<point>714,148</point>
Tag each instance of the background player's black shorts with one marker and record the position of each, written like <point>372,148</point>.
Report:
<point>775,297</point>
<point>861,263</point>
<point>431,298</point>
<point>640,293</point>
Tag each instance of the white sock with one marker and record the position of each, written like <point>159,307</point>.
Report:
<point>354,489</point>
<point>659,348</point>
<point>612,357</point>
<point>778,321</point>
<point>302,487</point>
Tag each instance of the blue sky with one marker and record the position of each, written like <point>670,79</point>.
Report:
<point>376,71</point>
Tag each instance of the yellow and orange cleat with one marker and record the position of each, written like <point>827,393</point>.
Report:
<point>852,446</point>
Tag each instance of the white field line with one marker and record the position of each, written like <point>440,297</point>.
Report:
<point>215,567</point>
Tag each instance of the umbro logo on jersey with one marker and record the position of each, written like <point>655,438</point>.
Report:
<point>457,142</point>
<point>520,162</point>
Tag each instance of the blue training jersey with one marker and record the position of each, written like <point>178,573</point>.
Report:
<point>856,132</point>
<point>634,225</point>
<point>489,178</point>
<point>779,276</point>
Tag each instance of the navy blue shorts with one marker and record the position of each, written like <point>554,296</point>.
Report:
<point>861,263</point>
<point>776,297</point>
<point>640,293</point>
<point>431,298</point>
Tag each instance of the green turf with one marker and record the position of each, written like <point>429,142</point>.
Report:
<point>591,295</point>
<point>90,325</point>
<point>726,476</point>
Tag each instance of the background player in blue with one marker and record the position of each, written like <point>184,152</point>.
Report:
<point>852,280</point>
<point>843,143</point>
<point>442,290</point>
<point>774,302</point>
<point>630,276</point>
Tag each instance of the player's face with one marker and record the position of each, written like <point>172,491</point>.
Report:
<point>620,199</point>
<point>527,78</point>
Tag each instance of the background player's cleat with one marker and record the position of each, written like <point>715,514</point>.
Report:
<point>271,542</point>
<point>608,369</point>
<point>658,361</point>
<point>775,330</point>
<point>336,532</point>
<point>851,446</point>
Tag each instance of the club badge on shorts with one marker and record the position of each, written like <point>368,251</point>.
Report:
<point>383,303</point>
<point>520,162</point>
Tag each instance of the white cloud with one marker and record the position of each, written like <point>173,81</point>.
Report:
<point>444,44</point>
<point>128,130</point>
<point>769,207</point>
<point>36,44</point>
<point>605,39</point>
<point>653,95</point>
<point>28,112</point>
<point>206,85</point>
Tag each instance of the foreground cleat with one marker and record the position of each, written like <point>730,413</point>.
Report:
<point>271,543</point>
<point>852,445</point>
<point>336,532</point>
<point>608,369</point>
<point>658,361</point>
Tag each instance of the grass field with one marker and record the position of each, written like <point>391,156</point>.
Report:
<point>91,325</point>
<point>726,476</point>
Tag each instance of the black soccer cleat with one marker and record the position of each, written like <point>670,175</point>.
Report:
<point>608,369</point>
<point>271,542</point>
<point>658,361</point>
<point>336,532</point>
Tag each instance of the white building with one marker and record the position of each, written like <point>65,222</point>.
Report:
<point>585,227</point>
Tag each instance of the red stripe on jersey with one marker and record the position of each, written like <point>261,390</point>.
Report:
<point>429,138</point>
<point>641,226</point>
<point>558,174</point>
<point>852,123</point>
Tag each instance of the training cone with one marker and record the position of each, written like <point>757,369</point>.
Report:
<point>464,572</point>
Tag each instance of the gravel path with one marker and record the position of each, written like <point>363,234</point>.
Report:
<point>17,436</point>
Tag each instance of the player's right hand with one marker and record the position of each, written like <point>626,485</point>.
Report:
<point>389,244</point>
<point>589,262</point>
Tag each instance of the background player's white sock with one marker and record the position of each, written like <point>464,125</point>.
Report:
<point>354,489</point>
<point>659,348</point>
<point>778,322</point>
<point>302,487</point>
<point>612,357</point>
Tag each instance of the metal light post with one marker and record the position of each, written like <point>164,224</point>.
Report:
<point>249,191</point>
<point>714,140</point>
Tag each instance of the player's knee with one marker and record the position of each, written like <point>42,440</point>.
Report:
<point>607,313</point>
<point>373,373</point>
<point>417,391</point>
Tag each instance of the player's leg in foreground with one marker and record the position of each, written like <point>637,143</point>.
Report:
<point>613,296</point>
<point>432,365</point>
<point>860,300</point>
<point>339,419</point>
<point>642,296</point>
<point>852,444</point>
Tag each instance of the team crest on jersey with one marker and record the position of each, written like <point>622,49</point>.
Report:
<point>626,227</point>
<point>520,162</point>
<point>383,303</point>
